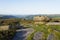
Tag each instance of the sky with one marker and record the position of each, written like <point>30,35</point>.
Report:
<point>29,7</point>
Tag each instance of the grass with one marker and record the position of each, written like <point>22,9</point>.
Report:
<point>30,37</point>
<point>7,34</point>
<point>5,27</point>
<point>46,30</point>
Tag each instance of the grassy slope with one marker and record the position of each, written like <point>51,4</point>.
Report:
<point>46,30</point>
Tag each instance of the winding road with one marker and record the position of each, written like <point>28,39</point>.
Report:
<point>22,34</point>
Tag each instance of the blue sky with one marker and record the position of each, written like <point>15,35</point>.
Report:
<point>29,7</point>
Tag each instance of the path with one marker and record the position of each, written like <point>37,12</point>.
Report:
<point>22,34</point>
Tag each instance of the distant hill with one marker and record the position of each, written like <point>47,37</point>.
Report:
<point>7,16</point>
<point>28,17</point>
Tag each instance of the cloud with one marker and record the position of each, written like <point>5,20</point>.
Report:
<point>28,11</point>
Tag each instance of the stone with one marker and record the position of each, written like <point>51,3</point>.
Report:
<point>38,36</point>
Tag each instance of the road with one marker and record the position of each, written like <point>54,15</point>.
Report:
<point>22,34</point>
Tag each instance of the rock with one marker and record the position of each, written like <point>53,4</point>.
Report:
<point>50,37</point>
<point>22,34</point>
<point>38,36</point>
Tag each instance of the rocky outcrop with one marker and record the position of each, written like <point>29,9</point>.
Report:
<point>50,37</point>
<point>40,19</point>
<point>38,36</point>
